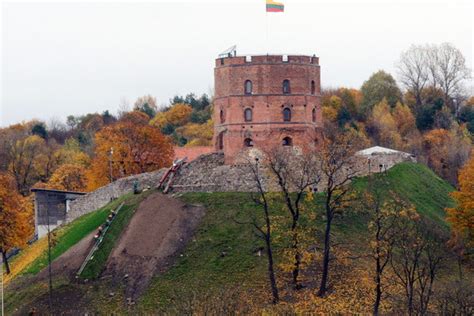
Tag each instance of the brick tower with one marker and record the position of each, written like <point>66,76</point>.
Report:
<point>261,101</point>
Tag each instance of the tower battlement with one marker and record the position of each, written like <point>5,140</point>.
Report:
<point>266,59</point>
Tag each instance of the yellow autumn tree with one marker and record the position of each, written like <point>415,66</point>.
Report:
<point>24,163</point>
<point>15,217</point>
<point>177,115</point>
<point>69,177</point>
<point>197,134</point>
<point>385,125</point>
<point>70,153</point>
<point>461,217</point>
<point>331,107</point>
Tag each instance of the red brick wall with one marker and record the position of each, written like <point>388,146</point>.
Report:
<point>191,152</point>
<point>267,102</point>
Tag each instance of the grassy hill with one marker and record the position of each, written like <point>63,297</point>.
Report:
<point>221,264</point>
<point>421,187</point>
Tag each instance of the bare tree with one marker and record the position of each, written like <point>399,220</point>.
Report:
<point>416,262</point>
<point>440,66</point>
<point>414,71</point>
<point>265,232</point>
<point>123,107</point>
<point>295,173</point>
<point>384,211</point>
<point>452,71</point>
<point>335,159</point>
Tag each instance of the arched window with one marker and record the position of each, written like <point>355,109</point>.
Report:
<point>248,115</point>
<point>286,115</point>
<point>248,87</point>
<point>287,141</point>
<point>314,115</point>
<point>313,87</point>
<point>220,141</point>
<point>286,86</point>
<point>248,142</point>
<point>222,117</point>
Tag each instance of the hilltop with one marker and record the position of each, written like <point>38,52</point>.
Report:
<point>220,264</point>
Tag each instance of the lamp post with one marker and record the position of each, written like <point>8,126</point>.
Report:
<point>1,273</point>
<point>110,164</point>
<point>49,262</point>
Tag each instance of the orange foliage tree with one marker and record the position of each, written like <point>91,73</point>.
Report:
<point>69,177</point>
<point>461,217</point>
<point>124,149</point>
<point>15,217</point>
<point>446,151</point>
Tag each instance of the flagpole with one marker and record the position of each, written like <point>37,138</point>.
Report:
<point>266,29</point>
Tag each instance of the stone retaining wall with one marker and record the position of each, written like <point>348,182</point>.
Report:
<point>100,197</point>
<point>208,173</point>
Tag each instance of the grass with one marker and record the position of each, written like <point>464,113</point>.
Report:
<point>421,187</point>
<point>222,253</point>
<point>202,265</point>
<point>72,233</point>
<point>95,266</point>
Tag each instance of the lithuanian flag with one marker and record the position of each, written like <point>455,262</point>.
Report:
<point>273,6</point>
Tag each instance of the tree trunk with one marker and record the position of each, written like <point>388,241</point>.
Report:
<point>378,287</point>
<point>410,301</point>
<point>295,246</point>
<point>5,260</point>
<point>271,271</point>
<point>327,248</point>
<point>268,242</point>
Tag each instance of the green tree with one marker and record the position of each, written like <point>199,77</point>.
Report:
<point>379,86</point>
<point>40,130</point>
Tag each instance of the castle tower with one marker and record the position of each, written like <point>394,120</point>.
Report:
<point>269,100</point>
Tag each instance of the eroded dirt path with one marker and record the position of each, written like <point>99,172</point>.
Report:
<point>156,234</point>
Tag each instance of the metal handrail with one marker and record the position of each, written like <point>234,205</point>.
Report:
<point>97,243</point>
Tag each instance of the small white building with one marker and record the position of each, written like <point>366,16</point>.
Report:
<point>379,159</point>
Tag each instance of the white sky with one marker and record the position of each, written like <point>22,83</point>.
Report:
<point>62,58</point>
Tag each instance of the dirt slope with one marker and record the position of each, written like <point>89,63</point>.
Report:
<point>69,262</point>
<point>158,231</point>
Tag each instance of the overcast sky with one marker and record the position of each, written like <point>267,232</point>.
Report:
<point>79,57</point>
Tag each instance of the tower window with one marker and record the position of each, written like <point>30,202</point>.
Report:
<point>248,142</point>
<point>248,87</point>
<point>222,117</point>
<point>287,141</point>
<point>314,115</point>
<point>220,141</point>
<point>248,115</point>
<point>286,115</point>
<point>313,87</point>
<point>286,86</point>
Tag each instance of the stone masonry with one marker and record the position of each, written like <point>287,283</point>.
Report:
<point>209,173</point>
<point>100,197</point>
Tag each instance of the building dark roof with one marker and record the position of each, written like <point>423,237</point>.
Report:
<point>56,191</point>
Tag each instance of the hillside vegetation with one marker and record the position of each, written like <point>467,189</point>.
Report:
<point>421,187</point>
<point>221,269</point>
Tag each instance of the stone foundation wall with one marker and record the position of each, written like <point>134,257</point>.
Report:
<point>100,197</point>
<point>208,173</point>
